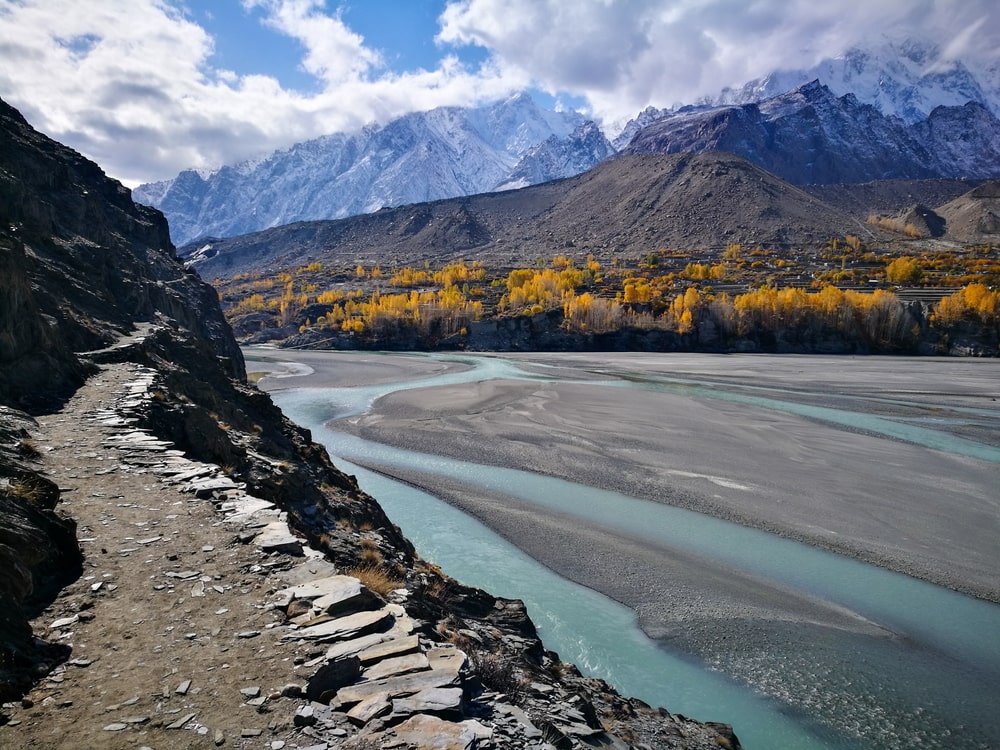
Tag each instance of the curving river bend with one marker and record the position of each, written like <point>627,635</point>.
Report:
<point>847,654</point>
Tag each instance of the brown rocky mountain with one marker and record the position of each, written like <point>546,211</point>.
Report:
<point>975,215</point>
<point>886,197</point>
<point>628,205</point>
<point>194,492</point>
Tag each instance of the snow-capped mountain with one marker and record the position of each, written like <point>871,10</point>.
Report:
<point>809,135</point>
<point>557,157</point>
<point>647,116</point>
<point>906,78</point>
<point>963,141</point>
<point>896,109</point>
<point>443,153</point>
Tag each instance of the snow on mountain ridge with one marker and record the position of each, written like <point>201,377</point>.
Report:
<point>811,136</point>
<point>901,77</point>
<point>906,77</point>
<point>421,156</point>
<point>558,157</point>
<point>452,151</point>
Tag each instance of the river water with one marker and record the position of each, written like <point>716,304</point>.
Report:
<point>935,685</point>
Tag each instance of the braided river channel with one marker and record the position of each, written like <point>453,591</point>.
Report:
<point>717,535</point>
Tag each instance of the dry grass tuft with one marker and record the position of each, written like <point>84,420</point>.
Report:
<point>28,449</point>
<point>436,590</point>
<point>497,673</point>
<point>370,553</point>
<point>32,492</point>
<point>375,578</point>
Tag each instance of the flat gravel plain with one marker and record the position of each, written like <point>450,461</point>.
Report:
<point>679,432</point>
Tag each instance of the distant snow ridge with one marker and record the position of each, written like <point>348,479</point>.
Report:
<point>647,116</point>
<point>906,78</point>
<point>811,136</point>
<point>558,157</point>
<point>443,153</point>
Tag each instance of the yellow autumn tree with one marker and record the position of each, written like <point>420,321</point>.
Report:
<point>904,270</point>
<point>974,302</point>
<point>534,290</point>
<point>681,315</point>
<point>587,313</point>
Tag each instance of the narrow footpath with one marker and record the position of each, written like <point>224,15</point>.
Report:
<point>169,623</point>
<point>178,624</point>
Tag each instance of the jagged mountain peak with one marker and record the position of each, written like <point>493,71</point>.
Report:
<point>557,157</point>
<point>811,135</point>
<point>645,117</point>
<point>421,156</point>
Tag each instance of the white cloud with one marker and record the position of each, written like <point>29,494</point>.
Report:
<point>334,53</point>
<point>622,55</point>
<point>130,83</point>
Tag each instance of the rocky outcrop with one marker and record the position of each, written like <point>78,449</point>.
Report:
<point>36,365</point>
<point>974,216</point>
<point>38,554</point>
<point>391,650</point>
<point>922,221</point>
<point>82,264</point>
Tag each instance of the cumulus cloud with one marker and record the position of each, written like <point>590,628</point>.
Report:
<point>334,53</point>
<point>622,55</point>
<point>132,83</point>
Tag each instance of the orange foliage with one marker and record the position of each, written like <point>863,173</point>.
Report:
<point>534,291</point>
<point>974,302</point>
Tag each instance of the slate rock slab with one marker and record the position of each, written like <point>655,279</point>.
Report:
<point>432,700</point>
<point>332,677</point>
<point>349,626</point>
<point>432,733</point>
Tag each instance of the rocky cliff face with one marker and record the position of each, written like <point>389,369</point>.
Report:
<point>406,655</point>
<point>963,141</point>
<point>811,136</point>
<point>38,554</point>
<point>84,265</point>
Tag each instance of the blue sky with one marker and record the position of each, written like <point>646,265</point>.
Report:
<point>402,30</point>
<point>149,87</point>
